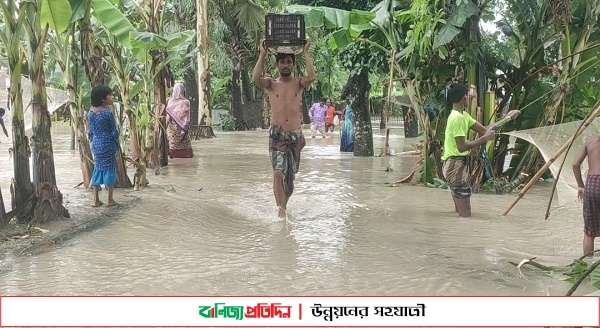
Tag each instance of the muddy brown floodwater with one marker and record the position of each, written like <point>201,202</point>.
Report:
<point>208,225</point>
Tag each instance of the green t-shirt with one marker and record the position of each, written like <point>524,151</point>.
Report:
<point>458,125</point>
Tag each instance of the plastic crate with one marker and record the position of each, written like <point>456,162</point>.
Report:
<point>285,33</point>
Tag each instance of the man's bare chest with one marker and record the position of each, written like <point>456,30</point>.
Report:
<point>285,90</point>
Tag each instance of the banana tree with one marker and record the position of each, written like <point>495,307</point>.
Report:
<point>142,120</point>
<point>123,69</point>
<point>65,52</point>
<point>574,50</point>
<point>152,16</point>
<point>92,57</point>
<point>543,71</point>
<point>21,188</point>
<point>389,34</point>
<point>133,53</point>
<point>41,16</point>
<point>204,98</point>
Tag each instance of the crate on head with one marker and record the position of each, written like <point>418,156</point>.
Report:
<point>285,33</point>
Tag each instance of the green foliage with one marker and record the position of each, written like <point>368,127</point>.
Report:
<point>227,122</point>
<point>595,278</point>
<point>220,64</point>
<point>358,57</point>
<point>78,7</point>
<point>438,183</point>
<point>114,21</point>
<point>578,267</point>
<point>221,95</point>
<point>491,185</point>
<point>347,21</point>
<point>340,4</point>
<point>56,13</point>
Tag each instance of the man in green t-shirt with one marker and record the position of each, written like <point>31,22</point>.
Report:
<point>456,147</point>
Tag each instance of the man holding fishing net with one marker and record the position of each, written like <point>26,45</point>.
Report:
<point>589,192</point>
<point>457,166</point>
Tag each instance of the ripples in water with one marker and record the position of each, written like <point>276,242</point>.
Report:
<point>208,225</point>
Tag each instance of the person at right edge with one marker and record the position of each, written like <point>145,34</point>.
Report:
<point>285,134</point>
<point>457,166</point>
<point>589,192</point>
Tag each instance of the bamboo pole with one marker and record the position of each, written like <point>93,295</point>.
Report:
<point>588,120</point>
<point>489,102</point>
<point>388,107</point>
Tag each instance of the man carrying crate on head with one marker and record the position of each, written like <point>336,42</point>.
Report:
<point>285,134</point>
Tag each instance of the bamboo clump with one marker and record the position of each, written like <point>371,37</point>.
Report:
<point>587,121</point>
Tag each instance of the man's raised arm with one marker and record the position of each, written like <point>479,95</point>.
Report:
<point>310,69</point>
<point>258,68</point>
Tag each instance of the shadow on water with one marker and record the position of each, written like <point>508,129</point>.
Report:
<point>208,225</point>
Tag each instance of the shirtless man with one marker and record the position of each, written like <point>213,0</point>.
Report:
<point>590,192</point>
<point>285,134</point>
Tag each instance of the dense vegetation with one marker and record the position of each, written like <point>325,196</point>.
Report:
<point>540,57</point>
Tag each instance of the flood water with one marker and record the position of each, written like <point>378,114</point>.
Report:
<point>208,226</point>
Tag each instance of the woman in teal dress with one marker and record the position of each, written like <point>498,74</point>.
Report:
<point>347,142</point>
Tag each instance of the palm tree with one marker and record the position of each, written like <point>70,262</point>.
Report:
<point>245,20</point>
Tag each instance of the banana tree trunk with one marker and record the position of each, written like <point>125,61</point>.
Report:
<point>90,55</point>
<point>78,124</point>
<point>357,88</point>
<point>21,189</point>
<point>161,145</point>
<point>431,154</point>
<point>204,101</point>
<point>162,79</point>
<point>49,205</point>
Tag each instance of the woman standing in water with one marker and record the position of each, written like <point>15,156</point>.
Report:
<point>178,124</point>
<point>104,137</point>
<point>347,142</point>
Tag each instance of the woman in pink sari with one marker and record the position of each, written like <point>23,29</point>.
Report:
<point>178,124</point>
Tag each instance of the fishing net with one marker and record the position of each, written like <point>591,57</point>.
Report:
<point>548,140</point>
<point>56,99</point>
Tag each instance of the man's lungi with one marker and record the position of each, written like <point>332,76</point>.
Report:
<point>284,148</point>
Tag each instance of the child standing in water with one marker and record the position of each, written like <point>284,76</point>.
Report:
<point>104,138</point>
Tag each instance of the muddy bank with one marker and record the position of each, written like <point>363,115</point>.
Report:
<point>19,240</point>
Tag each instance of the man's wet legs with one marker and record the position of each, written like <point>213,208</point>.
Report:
<point>454,202</point>
<point>588,244</point>
<point>462,206</point>
<point>279,191</point>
